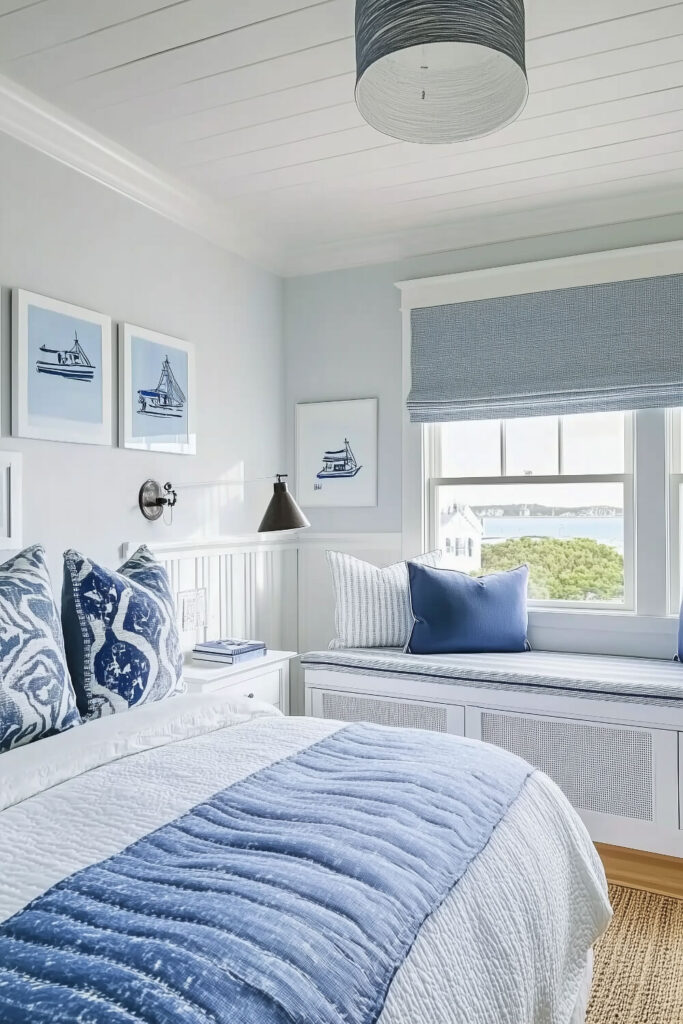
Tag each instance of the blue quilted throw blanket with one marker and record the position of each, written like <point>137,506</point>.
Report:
<point>292,896</point>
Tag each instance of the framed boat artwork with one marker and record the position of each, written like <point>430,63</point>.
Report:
<point>61,370</point>
<point>336,453</point>
<point>157,390</point>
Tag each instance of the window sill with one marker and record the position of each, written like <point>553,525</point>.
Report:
<point>601,631</point>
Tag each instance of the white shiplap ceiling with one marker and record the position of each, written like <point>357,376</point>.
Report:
<point>250,103</point>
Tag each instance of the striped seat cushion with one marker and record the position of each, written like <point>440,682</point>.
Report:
<point>372,605</point>
<point>644,680</point>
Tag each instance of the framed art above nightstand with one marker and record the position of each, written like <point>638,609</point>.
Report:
<point>265,679</point>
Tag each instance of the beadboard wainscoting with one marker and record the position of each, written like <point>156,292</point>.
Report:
<point>250,587</point>
<point>277,590</point>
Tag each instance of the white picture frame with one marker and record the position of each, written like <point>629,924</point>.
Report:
<point>156,392</point>
<point>11,503</point>
<point>61,381</point>
<point>336,453</point>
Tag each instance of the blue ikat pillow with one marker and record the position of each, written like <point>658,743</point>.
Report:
<point>121,634</point>
<point>36,696</point>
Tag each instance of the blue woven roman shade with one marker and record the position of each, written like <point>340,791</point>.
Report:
<point>589,349</point>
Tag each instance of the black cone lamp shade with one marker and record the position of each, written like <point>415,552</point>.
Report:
<point>283,513</point>
<point>440,71</point>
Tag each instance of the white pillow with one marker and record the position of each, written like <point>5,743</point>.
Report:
<point>372,605</point>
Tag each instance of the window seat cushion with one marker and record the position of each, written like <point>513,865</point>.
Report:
<point>643,680</point>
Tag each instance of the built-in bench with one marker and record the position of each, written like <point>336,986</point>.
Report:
<point>606,729</point>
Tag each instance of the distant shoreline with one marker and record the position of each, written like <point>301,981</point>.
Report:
<point>607,530</point>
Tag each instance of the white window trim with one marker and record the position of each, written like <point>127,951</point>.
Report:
<point>650,628</point>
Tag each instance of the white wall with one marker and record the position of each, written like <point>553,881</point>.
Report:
<point>343,340</point>
<point>64,235</point>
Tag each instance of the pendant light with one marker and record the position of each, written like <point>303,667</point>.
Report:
<point>440,71</point>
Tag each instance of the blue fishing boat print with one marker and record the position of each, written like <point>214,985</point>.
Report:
<point>339,465</point>
<point>166,399</point>
<point>71,363</point>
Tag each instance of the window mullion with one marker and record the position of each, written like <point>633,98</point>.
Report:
<point>560,445</point>
<point>651,512</point>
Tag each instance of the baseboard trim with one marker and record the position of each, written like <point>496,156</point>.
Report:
<point>637,869</point>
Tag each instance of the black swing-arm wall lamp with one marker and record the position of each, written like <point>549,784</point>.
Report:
<point>282,513</point>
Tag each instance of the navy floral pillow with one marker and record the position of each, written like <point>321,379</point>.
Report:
<point>36,696</point>
<point>121,635</point>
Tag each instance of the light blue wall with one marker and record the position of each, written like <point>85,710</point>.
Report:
<point>64,235</point>
<point>343,340</point>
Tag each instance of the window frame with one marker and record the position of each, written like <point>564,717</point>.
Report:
<point>651,629</point>
<point>675,508</point>
<point>432,482</point>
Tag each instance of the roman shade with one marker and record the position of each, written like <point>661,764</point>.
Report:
<point>593,348</point>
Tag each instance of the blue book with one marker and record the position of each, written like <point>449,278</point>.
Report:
<point>231,659</point>
<point>230,646</point>
<point>228,651</point>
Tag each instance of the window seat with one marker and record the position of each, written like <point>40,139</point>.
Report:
<point>645,680</point>
<point>607,730</point>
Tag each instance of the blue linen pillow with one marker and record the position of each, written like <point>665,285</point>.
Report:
<point>459,614</point>
<point>120,632</point>
<point>36,696</point>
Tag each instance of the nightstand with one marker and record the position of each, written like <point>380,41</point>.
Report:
<point>265,678</point>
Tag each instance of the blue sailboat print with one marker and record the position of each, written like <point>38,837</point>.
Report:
<point>339,465</point>
<point>166,399</point>
<point>71,363</point>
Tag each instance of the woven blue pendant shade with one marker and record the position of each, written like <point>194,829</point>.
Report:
<point>440,71</point>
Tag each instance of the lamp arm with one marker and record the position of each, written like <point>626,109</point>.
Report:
<point>231,483</point>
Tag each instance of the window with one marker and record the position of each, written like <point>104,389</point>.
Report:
<point>555,492</point>
<point>676,508</point>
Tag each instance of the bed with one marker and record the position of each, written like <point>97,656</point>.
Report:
<point>195,861</point>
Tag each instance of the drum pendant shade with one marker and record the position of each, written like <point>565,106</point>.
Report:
<point>440,71</point>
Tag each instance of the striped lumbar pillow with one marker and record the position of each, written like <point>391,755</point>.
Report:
<point>372,605</point>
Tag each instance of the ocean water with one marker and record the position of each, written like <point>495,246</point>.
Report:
<point>604,529</point>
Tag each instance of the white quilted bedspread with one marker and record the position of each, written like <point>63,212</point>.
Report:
<point>510,944</point>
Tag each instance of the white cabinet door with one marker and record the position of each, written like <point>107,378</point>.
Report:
<point>346,706</point>
<point>622,779</point>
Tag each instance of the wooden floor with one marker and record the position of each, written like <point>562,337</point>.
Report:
<point>635,869</point>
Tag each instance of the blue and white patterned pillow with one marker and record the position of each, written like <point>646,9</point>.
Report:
<point>121,635</point>
<point>36,697</point>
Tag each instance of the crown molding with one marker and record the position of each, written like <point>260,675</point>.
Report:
<point>45,127</point>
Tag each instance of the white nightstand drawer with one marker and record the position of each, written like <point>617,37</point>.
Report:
<point>264,687</point>
<point>264,679</point>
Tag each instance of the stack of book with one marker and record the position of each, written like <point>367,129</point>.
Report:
<point>228,652</point>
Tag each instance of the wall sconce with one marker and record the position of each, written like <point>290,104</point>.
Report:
<point>153,499</point>
<point>282,513</point>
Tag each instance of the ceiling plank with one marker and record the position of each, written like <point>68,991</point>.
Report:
<point>37,28</point>
<point>242,32</point>
<point>480,230</point>
<point>8,7</point>
<point>341,211</point>
<point>332,60</point>
<point>179,153</point>
<point>339,155</point>
<point>306,69</point>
